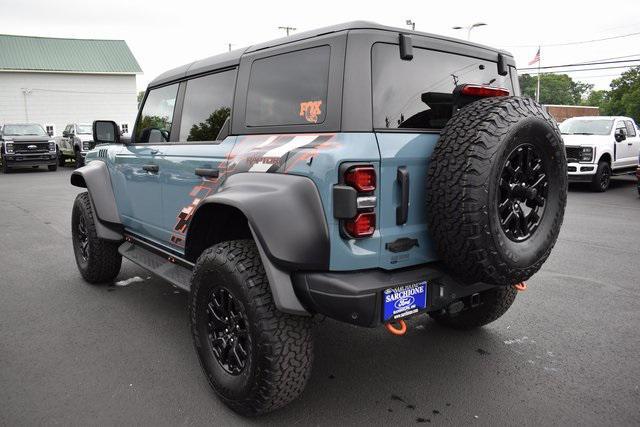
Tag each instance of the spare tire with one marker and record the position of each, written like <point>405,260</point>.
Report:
<point>497,190</point>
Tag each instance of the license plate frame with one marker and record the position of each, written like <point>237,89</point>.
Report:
<point>404,300</point>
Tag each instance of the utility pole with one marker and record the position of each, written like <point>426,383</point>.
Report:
<point>538,88</point>
<point>411,24</point>
<point>230,47</point>
<point>287,29</point>
<point>26,92</point>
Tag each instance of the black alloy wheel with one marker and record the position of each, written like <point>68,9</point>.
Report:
<point>523,193</point>
<point>83,239</point>
<point>227,329</point>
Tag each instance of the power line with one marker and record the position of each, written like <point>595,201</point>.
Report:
<point>584,69</point>
<point>578,42</point>
<point>577,64</point>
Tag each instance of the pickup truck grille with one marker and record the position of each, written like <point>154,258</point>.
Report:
<point>23,147</point>
<point>573,154</point>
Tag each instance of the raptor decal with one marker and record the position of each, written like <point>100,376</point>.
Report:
<point>251,153</point>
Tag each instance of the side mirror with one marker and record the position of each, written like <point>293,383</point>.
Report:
<point>106,132</point>
<point>65,134</point>
<point>619,135</point>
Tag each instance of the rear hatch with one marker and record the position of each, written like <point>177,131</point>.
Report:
<point>412,102</point>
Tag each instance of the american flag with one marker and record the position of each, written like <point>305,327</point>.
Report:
<point>535,58</point>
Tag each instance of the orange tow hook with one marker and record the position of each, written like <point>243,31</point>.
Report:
<point>397,331</point>
<point>520,287</point>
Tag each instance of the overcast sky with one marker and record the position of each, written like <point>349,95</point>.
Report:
<point>164,34</point>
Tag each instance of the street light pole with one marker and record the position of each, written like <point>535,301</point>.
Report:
<point>287,29</point>
<point>469,28</point>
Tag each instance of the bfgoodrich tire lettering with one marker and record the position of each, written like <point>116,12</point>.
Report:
<point>279,346</point>
<point>464,190</point>
<point>98,260</point>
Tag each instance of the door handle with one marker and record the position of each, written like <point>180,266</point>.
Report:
<point>207,173</point>
<point>402,211</point>
<point>151,168</point>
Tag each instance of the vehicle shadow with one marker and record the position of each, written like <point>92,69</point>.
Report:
<point>617,182</point>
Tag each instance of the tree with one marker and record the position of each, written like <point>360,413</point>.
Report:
<point>209,129</point>
<point>624,97</point>
<point>596,98</point>
<point>140,97</point>
<point>554,88</point>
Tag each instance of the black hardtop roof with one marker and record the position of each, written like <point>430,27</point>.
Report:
<point>232,58</point>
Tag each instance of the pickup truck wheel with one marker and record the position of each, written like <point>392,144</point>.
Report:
<point>497,190</point>
<point>98,260</point>
<point>79,160</point>
<point>493,304</point>
<point>5,168</point>
<point>60,158</point>
<point>602,178</point>
<point>256,358</point>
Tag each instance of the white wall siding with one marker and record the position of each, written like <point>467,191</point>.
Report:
<point>63,98</point>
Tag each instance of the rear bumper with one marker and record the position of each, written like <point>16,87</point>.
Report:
<point>356,297</point>
<point>31,159</point>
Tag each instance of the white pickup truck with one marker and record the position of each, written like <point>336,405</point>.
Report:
<point>599,147</point>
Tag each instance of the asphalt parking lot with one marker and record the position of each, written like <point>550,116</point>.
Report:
<point>74,354</point>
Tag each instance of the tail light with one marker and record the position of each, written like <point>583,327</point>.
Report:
<point>362,178</point>
<point>483,91</point>
<point>363,225</point>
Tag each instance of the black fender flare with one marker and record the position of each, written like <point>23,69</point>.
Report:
<point>285,214</point>
<point>96,179</point>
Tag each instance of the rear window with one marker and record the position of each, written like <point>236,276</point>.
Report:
<point>289,89</point>
<point>416,94</point>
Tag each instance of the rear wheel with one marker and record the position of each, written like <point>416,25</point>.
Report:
<point>98,260</point>
<point>602,178</point>
<point>496,190</point>
<point>256,358</point>
<point>493,304</point>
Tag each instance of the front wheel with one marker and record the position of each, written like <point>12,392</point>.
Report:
<point>98,260</point>
<point>79,160</point>
<point>256,358</point>
<point>493,304</point>
<point>602,178</point>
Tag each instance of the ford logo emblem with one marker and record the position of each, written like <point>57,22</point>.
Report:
<point>404,302</point>
<point>32,147</point>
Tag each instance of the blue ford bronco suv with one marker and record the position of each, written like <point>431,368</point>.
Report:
<point>360,172</point>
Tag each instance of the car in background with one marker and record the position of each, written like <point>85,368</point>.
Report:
<point>638,174</point>
<point>27,144</point>
<point>598,147</point>
<point>76,140</point>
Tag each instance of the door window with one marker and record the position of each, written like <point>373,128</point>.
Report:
<point>154,123</point>
<point>289,89</point>
<point>207,105</point>
<point>631,129</point>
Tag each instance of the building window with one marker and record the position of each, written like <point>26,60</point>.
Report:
<point>124,127</point>
<point>51,129</point>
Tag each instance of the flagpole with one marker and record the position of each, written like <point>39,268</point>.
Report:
<point>538,88</point>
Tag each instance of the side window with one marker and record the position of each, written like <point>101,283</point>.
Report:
<point>154,123</point>
<point>289,89</point>
<point>631,129</point>
<point>207,105</point>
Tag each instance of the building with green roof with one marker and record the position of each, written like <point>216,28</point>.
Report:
<point>57,81</point>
